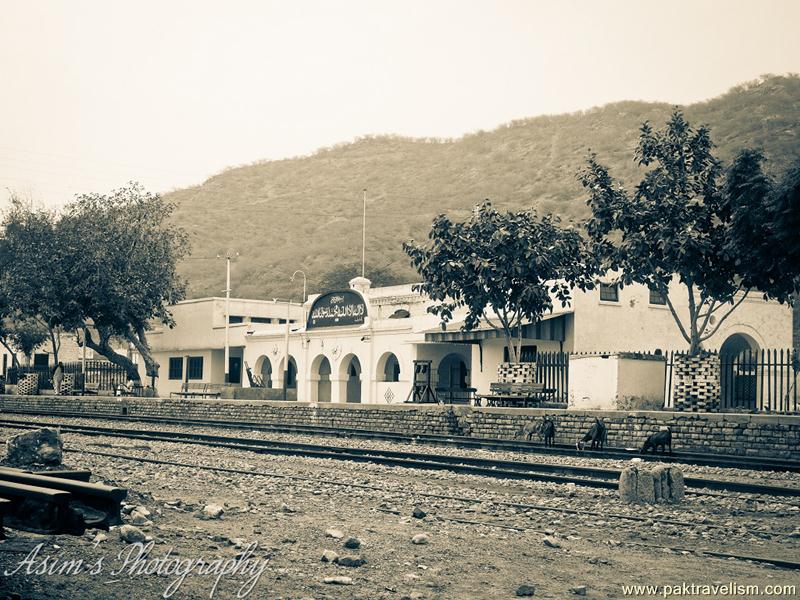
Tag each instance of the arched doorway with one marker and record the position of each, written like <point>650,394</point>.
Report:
<point>452,379</point>
<point>291,374</point>
<point>388,368</point>
<point>738,372</point>
<point>266,372</point>
<point>324,381</point>
<point>351,373</point>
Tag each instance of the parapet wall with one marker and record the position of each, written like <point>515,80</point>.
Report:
<point>724,433</point>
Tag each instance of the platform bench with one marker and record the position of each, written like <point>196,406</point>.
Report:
<point>197,390</point>
<point>520,395</point>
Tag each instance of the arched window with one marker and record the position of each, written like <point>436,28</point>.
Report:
<point>391,370</point>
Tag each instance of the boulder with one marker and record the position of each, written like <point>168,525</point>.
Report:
<point>40,446</point>
<point>651,485</point>
<point>420,539</point>
<point>329,556</point>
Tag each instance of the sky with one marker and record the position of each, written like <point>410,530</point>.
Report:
<point>96,93</point>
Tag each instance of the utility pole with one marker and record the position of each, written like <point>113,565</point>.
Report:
<point>364,238</point>
<point>228,256</point>
<point>304,292</point>
<point>286,359</point>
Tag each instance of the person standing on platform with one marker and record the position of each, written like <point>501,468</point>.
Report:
<point>58,377</point>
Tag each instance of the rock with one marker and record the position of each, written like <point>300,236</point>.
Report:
<point>40,446</point>
<point>350,561</point>
<point>336,534</point>
<point>627,485</point>
<point>130,534</point>
<point>127,509</point>
<point>142,510</point>
<point>285,508</point>
<point>352,543</point>
<point>100,537</point>
<point>578,590</point>
<point>677,487</point>
<point>213,511</point>
<point>138,518</point>
<point>338,580</point>
<point>420,539</point>
<point>646,486</point>
<point>551,542</point>
<point>418,513</point>
<point>329,556</point>
<point>526,590</point>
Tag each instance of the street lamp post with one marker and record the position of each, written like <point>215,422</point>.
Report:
<point>304,291</point>
<point>228,256</point>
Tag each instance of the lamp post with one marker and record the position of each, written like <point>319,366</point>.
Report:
<point>286,347</point>
<point>304,291</point>
<point>228,256</point>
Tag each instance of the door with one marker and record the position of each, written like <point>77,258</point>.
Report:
<point>235,369</point>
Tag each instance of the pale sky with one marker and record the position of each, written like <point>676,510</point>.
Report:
<point>96,93</point>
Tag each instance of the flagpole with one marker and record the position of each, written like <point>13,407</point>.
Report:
<point>364,238</point>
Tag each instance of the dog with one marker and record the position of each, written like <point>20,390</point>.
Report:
<point>597,435</point>
<point>661,439</point>
<point>547,431</point>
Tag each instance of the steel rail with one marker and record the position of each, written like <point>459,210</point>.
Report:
<point>586,476</point>
<point>691,458</point>
<point>522,506</point>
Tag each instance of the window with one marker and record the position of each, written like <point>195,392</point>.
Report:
<point>400,313</point>
<point>282,321</point>
<point>176,367</point>
<point>657,297</point>
<point>235,319</point>
<point>41,359</point>
<point>609,292</point>
<point>195,367</point>
<point>527,354</point>
<point>260,320</point>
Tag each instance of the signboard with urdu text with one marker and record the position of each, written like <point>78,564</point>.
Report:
<point>335,309</point>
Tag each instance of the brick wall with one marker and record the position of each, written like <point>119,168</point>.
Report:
<point>744,434</point>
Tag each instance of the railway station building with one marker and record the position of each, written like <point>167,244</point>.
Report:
<point>360,344</point>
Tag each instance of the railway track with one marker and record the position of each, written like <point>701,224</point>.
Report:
<point>522,446</point>
<point>773,561</point>
<point>595,477</point>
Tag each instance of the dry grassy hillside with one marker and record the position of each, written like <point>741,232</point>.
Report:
<point>305,213</point>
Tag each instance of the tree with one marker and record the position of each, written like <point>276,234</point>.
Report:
<point>502,267</point>
<point>123,253</point>
<point>22,334</point>
<point>683,221</point>
<point>106,267</point>
<point>34,276</point>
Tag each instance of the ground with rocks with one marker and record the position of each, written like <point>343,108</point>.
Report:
<point>333,529</point>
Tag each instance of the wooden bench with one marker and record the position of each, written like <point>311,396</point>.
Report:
<point>198,390</point>
<point>517,394</point>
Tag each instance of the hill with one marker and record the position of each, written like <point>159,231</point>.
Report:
<point>305,213</point>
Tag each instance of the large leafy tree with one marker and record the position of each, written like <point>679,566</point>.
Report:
<point>123,250</point>
<point>34,274</point>
<point>105,267</point>
<point>688,218</point>
<point>505,268</point>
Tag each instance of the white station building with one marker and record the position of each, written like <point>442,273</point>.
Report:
<point>360,344</point>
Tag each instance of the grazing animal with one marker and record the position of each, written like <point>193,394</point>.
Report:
<point>661,439</point>
<point>527,430</point>
<point>547,431</point>
<point>597,435</point>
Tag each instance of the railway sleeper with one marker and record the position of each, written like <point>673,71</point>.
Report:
<point>40,510</point>
<point>97,504</point>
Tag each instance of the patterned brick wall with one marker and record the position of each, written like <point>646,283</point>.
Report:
<point>741,434</point>
<point>696,385</point>
<point>509,372</point>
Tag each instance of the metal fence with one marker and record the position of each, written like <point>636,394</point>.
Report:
<point>752,381</point>
<point>552,369</point>
<point>99,373</point>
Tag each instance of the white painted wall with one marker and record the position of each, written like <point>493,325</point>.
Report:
<point>615,382</point>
